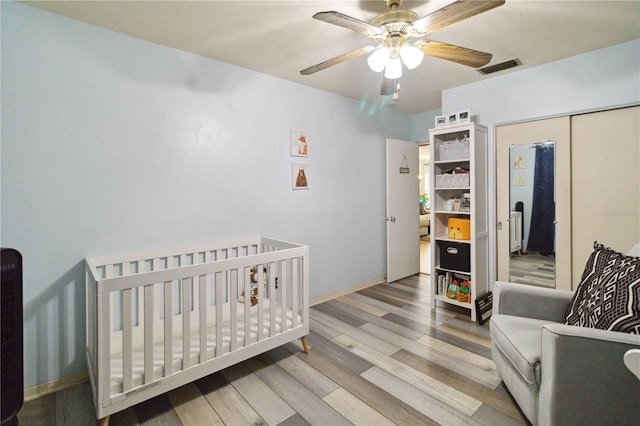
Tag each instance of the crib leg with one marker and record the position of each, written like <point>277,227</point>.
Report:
<point>104,421</point>
<point>304,344</point>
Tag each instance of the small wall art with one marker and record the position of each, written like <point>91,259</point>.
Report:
<point>519,162</point>
<point>464,117</point>
<point>441,121</point>
<point>519,179</point>
<point>299,143</point>
<point>300,176</point>
<point>452,119</point>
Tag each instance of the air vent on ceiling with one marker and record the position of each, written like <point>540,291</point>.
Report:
<point>500,67</point>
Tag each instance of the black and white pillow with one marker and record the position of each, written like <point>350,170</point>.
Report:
<point>608,296</point>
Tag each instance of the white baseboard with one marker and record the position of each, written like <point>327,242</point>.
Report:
<point>55,385</point>
<point>345,291</point>
<point>46,388</point>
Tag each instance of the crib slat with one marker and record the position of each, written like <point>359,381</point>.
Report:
<point>127,355</point>
<point>168,328</point>
<point>148,332</point>
<point>203,316</point>
<point>305,290</point>
<point>218,293</point>
<point>260,304</point>
<point>284,285</point>
<point>295,276</point>
<point>247,306</point>
<point>233,308</point>
<point>104,354</point>
<point>186,323</point>
<point>140,298</point>
<point>271,293</point>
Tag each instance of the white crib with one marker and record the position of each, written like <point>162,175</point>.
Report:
<point>159,319</point>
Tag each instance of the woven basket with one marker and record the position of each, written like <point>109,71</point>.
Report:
<point>462,297</point>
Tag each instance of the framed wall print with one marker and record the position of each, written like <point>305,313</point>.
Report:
<point>299,174</point>
<point>299,141</point>
<point>452,119</point>
<point>441,121</point>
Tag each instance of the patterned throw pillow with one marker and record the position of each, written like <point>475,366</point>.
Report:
<point>608,296</point>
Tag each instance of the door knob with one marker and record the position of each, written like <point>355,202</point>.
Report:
<point>392,219</point>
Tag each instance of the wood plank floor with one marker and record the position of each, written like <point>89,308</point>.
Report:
<point>533,269</point>
<point>378,357</point>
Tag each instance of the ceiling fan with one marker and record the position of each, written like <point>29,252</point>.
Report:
<point>399,36</point>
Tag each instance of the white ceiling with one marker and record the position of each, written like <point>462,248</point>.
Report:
<point>280,37</point>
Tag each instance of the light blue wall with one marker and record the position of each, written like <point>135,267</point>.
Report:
<point>110,143</point>
<point>592,81</point>
<point>421,123</point>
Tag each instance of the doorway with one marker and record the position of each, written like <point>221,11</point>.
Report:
<point>424,157</point>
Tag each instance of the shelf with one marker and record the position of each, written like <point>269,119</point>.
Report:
<point>471,253</point>
<point>453,301</point>
<point>451,240</point>
<point>451,212</point>
<point>460,160</point>
<point>453,271</point>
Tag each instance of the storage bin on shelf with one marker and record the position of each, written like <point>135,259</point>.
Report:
<point>454,255</point>
<point>454,150</point>
<point>459,180</point>
<point>459,228</point>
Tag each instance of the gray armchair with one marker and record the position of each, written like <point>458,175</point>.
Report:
<point>560,374</point>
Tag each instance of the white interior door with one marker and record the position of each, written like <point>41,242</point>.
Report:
<point>403,210</point>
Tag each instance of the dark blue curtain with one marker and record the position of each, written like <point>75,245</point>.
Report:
<point>542,230</point>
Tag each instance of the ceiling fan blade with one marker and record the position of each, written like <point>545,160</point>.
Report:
<point>455,12</point>
<point>348,22</point>
<point>337,60</point>
<point>457,54</point>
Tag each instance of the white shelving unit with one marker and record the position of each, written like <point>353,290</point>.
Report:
<point>459,147</point>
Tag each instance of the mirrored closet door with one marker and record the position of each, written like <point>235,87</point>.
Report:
<point>533,203</point>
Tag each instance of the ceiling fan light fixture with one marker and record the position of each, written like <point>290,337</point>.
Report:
<point>411,56</point>
<point>393,70</point>
<point>378,59</point>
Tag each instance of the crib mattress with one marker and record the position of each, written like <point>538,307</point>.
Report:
<point>283,322</point>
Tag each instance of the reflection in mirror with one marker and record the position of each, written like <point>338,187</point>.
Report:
<point>532,215</point>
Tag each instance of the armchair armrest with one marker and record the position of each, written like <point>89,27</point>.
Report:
<point>584,379</point>
<point>530,301</point>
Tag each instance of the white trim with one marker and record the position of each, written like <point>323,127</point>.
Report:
<point>345,291</point>
<point>55,385</point>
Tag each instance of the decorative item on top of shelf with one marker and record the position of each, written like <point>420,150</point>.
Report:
<point>299,143</point>
<point>441,121</point>
<point>464,117</point>
<point>452,289</point>
<point>448,205</point>
<point>455,150</point>
<point>452,119</point>
<point>459,228</point>
<point>465,202</point>
<point>464,292</point>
